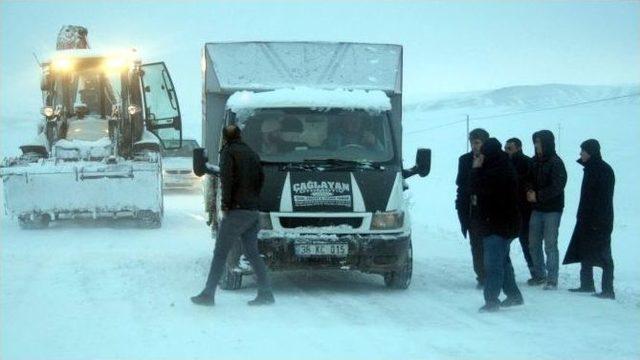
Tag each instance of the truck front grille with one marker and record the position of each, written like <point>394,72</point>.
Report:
<point>295,222</point>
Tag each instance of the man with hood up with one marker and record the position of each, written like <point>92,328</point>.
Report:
<point>546,195</point>
<point>495,183</point>
<point>591,241</point>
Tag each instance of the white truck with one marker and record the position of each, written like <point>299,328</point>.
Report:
<point>326,120</point>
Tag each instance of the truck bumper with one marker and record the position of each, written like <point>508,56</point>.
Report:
<point>370,253</point>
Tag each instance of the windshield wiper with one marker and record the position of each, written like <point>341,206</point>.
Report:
<point>329,164</point>
<point>341,163</point>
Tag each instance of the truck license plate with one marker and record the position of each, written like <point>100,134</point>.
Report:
<point>341,250</point>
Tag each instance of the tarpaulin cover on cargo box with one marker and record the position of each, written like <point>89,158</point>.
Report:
<point>271,65</point>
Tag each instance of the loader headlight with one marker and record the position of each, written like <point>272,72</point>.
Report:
<point>62,64</point>
<point>264,219</point>
<point>133,109</point>
<point>115,63</point>
<point>387,220</point>
<point>48,111</point>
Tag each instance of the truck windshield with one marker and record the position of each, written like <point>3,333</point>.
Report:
<point>299,134</point>
<point>185,151</point>
<point>87,89</point>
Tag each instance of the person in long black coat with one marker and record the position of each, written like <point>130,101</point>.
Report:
<point>466,202</point>
<point>591,241</point>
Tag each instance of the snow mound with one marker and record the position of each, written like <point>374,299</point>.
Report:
<point>372,100</point>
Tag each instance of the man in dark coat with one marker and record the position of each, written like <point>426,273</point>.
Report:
<point>591,241</point>
<point>494,182</point>
<point>522,163</point>
<point>466,202</point>
<point>241,178</point>
<point>546,195</point>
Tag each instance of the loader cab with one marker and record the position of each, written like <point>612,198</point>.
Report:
<point>118,94</point>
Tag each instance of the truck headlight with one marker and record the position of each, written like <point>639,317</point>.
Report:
<point>387,220</point>
<point>264,221</point>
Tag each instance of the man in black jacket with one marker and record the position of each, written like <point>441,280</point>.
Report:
<point>591,241</point>
<point>546,195</point>
<point>241,178</point>
<point>494,182</point>
<point>522,163</point>
<point>466,202</point>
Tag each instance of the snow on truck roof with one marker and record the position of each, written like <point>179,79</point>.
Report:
<point>371,100</point>
<point>259,66</point>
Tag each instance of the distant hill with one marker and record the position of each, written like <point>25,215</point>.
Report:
<point>529,97</point>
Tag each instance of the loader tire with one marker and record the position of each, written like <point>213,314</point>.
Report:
<point>401,278</point>
<point>149,220</point>
<point>40,221</point>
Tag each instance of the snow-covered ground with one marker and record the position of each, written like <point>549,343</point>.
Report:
<point>104,290</point>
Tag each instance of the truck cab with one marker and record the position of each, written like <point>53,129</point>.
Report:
<point>330,145</point>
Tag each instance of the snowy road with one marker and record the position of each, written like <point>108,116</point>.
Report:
<point>78,291</point>
<point>95,290</point>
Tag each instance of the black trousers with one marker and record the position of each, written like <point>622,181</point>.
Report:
<point>524,238</point>
<point>236,226</point>
<point>586,272</point>
<point>477,253</point>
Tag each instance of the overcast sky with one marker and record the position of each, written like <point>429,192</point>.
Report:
<point>448,46</point>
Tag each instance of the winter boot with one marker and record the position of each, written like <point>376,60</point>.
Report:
<point>204,298</point>
<point>550,285</point>
<point>606,295</point>
<point>583,289</point>
<point>264,297</point>
<point>536,281</point>
<point>512,301</point>
<point>489,308</point>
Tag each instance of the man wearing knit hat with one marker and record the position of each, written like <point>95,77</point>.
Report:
<point>591,241</point>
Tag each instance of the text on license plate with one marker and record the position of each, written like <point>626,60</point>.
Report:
<point>322,249</point>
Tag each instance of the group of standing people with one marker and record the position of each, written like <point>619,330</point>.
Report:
<point>502,195</point>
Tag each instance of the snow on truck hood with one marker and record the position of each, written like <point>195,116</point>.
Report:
<point>372,100</point>
<point>177,163</point>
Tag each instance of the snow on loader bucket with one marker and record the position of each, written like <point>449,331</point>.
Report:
<point>36,193</point>
<point>97,150</point>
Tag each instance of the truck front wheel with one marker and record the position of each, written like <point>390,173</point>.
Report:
<point>401,278</point>
<point>231,279</point>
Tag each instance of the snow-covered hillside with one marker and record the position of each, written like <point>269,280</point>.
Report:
<point>104,290</point>
<point>528,97</point>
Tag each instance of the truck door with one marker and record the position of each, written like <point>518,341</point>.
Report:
<point>162,111</point>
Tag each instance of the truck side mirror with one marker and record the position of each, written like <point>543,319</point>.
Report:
<point>199,162</point>
<point>423,162</point>
<point>422,167</point>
